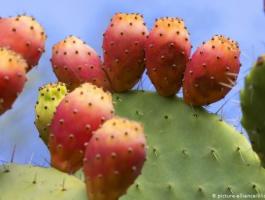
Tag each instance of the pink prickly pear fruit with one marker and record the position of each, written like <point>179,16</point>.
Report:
<point>24,35</point>
<point>123,47</point>
<point>74,63</point>
<point>78,115</point>
<point>167,52</point>
<point>114,158</point>
<point>12,77</point>
<point>212,71</point>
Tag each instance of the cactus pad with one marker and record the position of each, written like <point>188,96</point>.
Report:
<point>35,183</point>
<point>192,154</point>
<point>252,104</point>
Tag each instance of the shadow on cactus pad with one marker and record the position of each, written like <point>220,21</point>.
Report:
<point>192,154</point>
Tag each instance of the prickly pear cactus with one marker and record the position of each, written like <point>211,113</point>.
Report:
<point>49,98</point>
<point>253,107</point>
<point>30,183</point>
<point>191,154</point>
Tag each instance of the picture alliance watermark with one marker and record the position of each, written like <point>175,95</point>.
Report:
<point>238,196</point>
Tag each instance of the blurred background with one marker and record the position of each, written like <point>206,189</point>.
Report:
<point>242,20</point>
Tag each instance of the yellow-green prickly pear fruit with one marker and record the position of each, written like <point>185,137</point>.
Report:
<point>50,96</point>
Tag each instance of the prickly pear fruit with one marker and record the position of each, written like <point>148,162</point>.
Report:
<point>12,77</point>
<point>49,98</point>
<point>123,47</point>
<point>114,158</point>
<point>78,115</point>
<point>212,71</point>
<point>74,63</point>
<point>167,52</point>
<point>24,35</point>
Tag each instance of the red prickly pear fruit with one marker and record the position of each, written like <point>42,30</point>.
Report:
<point>167,52</point>
<point>114,158</point>
<point>24,35</point>
<point>212,71</point>
<point>123,47</point>
<point>78,115</point>
<point>12,77</point>
<point>74,63</point>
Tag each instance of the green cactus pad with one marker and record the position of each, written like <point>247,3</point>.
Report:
<point>49,98</point>
<point>191,154</point>
<point>80,175</point>
<point>253,107</point>
<point>19,182</point>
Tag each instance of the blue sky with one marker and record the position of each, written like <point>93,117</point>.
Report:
<point>242,20</point>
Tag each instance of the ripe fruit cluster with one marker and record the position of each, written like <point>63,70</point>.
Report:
<point>84,130</point>
<point>81,130</point>
<point>22,42</point>
<point>76,116</point>
<point>206,76</point>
